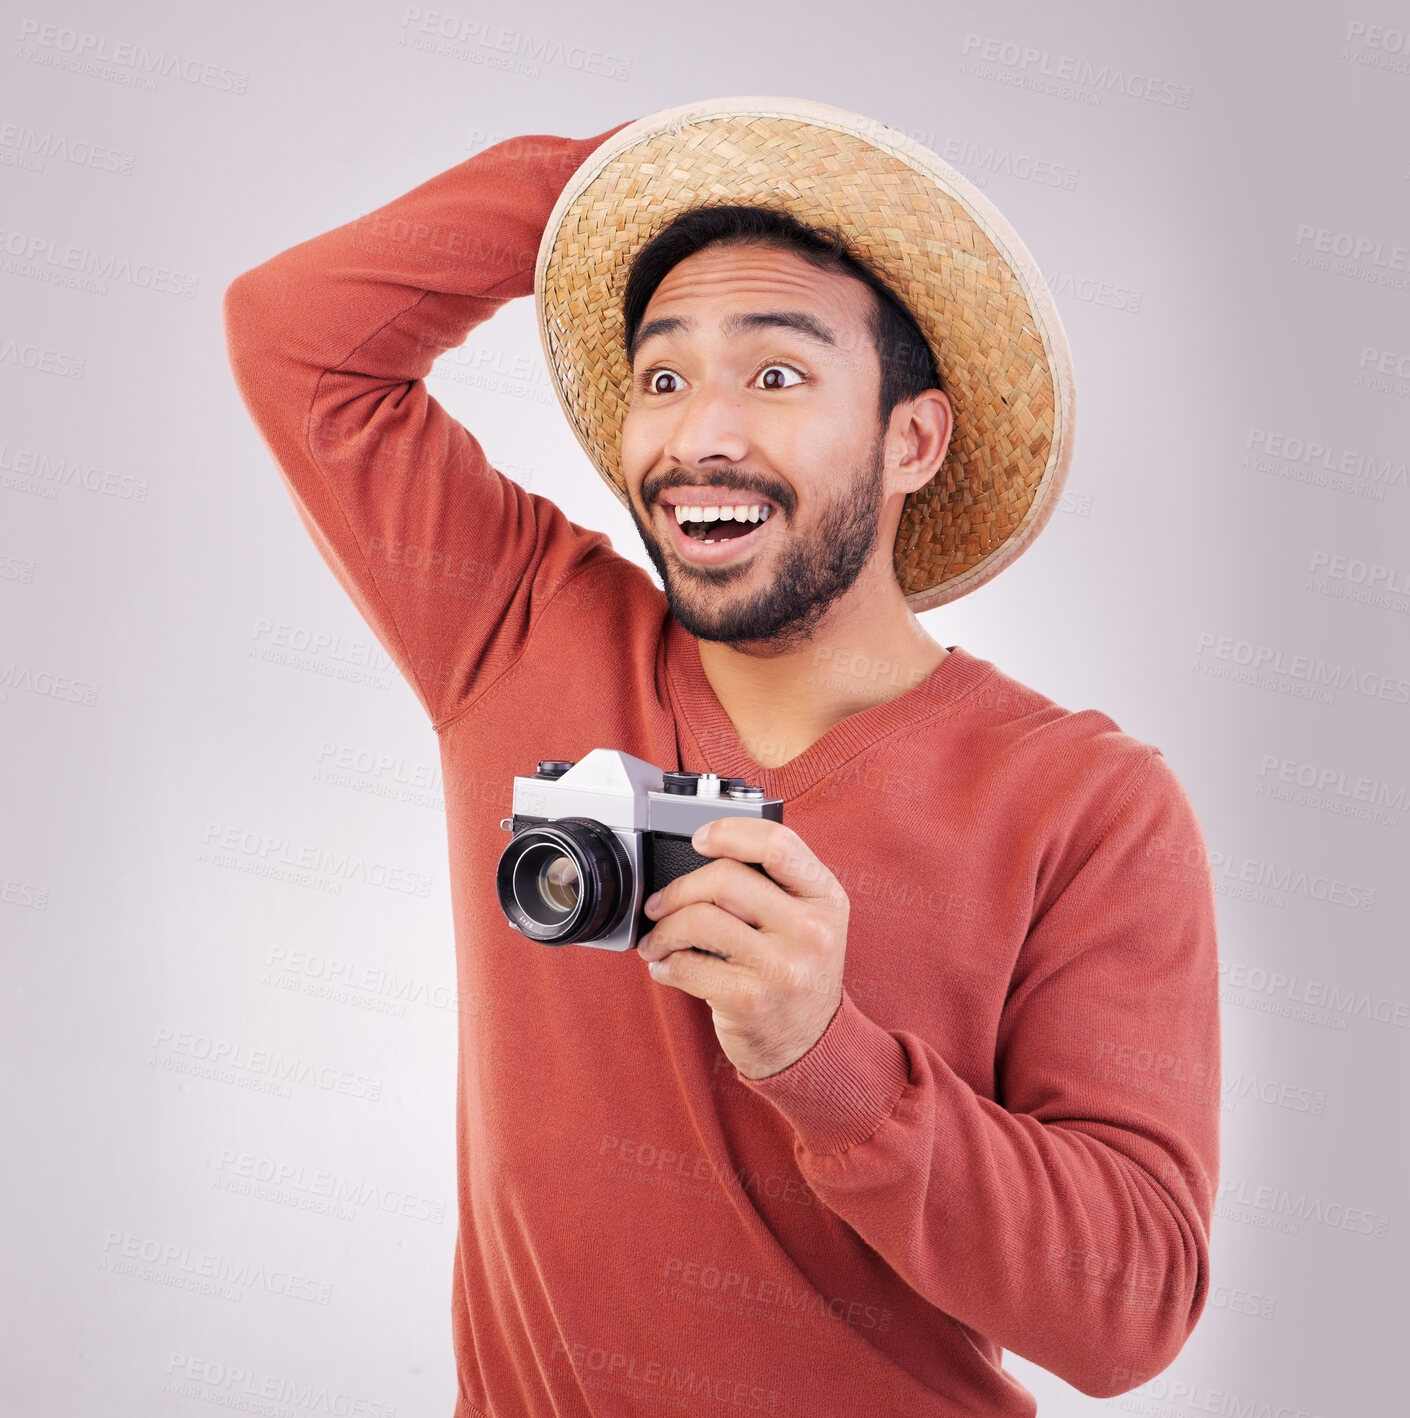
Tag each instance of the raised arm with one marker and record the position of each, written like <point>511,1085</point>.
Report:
<point>330,342</point>
<point>1069,1220</point>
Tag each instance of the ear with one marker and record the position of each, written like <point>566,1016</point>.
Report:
<point>918,438</point>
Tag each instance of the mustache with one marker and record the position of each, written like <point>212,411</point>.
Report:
<point>735,478</point>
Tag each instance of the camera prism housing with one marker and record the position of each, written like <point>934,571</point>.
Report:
<point>593,839</point>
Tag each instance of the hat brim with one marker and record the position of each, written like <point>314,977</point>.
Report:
<point>939,243</point>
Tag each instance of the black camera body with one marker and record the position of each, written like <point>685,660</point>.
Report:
<point>594,838</point>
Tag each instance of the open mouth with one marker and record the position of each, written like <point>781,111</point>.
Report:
<point>720,529</point>
<point>709,534</point>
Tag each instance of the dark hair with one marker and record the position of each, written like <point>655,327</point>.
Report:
<point>907,362</point>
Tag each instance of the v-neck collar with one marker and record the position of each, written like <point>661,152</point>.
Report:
<point>719,743</point>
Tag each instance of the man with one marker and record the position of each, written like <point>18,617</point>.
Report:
<point>944,1081</point>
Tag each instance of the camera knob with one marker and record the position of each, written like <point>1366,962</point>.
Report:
<point>553,767</point>
<point>708,786</point>
<point>746,792</point>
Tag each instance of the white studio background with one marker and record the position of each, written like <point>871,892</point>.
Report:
<point>1220,198</point>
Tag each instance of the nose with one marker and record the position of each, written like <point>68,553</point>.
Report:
<point>710,425</point>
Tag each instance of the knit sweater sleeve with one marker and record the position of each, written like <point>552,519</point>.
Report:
<point>330,342</point>
<point>1068,1221</point>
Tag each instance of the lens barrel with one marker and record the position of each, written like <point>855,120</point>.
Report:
<point>564,881</point>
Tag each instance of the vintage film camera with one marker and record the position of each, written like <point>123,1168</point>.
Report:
<point>593,839</point>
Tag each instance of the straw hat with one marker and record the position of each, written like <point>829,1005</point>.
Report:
<point>974,290</point>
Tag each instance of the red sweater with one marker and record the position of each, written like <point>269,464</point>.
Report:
<point>1008,1136</point>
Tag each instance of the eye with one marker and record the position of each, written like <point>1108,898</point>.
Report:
<point>771,375</point>
<point>651,381</point>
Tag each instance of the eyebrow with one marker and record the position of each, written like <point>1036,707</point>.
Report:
<point>798,320</point>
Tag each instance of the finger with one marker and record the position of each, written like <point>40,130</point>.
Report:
<point>782,853</point>
<point>724,986</point>
<point>700,926</point>
<point>727,883</point>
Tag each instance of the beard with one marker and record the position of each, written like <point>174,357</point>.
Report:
<point>814,569</point>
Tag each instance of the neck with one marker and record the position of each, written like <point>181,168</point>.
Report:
<point>782,698</point>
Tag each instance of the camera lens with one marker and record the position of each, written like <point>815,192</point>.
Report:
<point>558,883</point>
<point>564,881</point>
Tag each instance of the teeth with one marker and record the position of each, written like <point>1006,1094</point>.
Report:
<point>739,512</point>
